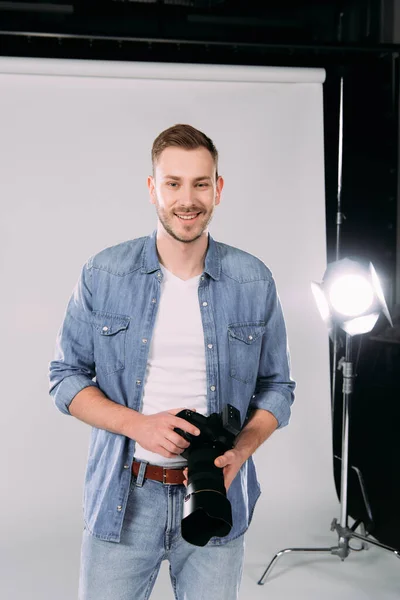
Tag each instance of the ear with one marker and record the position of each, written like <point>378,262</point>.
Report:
<point>151,187</point>
<point>220,185</point>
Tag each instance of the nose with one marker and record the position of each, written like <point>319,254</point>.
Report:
<point>188,192</point>
<point>188,201</point>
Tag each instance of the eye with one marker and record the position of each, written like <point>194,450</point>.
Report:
<point>174,184</point>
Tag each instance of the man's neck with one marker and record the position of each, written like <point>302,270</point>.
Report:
<point>183,260</point>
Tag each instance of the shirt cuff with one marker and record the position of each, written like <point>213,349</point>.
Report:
<point>275,403</point>
<point>67,389</point>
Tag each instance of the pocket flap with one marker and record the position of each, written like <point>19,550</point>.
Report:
<point>247,332</point>
<point>107,323</point>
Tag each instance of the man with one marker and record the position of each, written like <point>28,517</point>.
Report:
<point>164,322</point>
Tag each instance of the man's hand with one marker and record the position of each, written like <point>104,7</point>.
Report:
<point>156,432</point>
<point>230,462</point>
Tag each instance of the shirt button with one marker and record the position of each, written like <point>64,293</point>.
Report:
<point>144,340</point>
<point>154,300</point>
<point>202,277</point>
<point>126,466</point>
<point>250,337</point>
<point>119,507</point>
<point>105,328</point>
<point>138,381</point>
<point>209,346</point>
<point>158,274</point>
<point>212,388</point>
<point>204,303</point>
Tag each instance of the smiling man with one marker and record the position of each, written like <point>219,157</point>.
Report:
<point>185,189</point>
<point>168,321</point>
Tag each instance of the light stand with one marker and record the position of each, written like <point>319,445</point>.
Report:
<point>345,533</point>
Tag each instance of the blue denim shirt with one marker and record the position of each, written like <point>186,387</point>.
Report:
<point>112,311</point>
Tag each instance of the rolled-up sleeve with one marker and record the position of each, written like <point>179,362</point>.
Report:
<point>274,389</point>
<point>73,367</point>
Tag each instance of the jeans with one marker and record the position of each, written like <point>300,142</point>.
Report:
<point>151,533</point>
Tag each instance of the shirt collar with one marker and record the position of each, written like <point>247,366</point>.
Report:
<point>151,263</point>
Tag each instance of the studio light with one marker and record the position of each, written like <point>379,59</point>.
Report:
<point>350,296</point>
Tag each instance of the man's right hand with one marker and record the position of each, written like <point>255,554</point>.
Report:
<point>156,432</point>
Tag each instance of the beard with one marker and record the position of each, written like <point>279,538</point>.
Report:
<point>175,229</point>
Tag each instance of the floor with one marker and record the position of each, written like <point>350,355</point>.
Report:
<point>47,568</point>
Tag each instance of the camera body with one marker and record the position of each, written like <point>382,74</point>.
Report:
<point>207,511</point>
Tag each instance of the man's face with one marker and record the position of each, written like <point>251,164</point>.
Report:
<point>184,184</point>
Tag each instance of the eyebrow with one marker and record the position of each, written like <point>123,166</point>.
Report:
<point>179,178</point>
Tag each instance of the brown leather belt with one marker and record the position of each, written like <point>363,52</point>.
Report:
<point>163,474</point>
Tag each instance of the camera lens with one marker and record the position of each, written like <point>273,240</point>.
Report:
<point>207,511</point>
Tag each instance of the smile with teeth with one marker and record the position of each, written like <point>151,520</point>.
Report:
<point>187,217</point>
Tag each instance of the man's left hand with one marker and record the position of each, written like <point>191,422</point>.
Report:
<point>230,462</point>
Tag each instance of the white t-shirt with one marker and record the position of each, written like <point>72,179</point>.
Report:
<point>176,366</point>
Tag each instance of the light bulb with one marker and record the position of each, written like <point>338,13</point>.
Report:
<point>351,295</point>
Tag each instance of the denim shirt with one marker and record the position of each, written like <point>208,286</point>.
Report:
<point>104,341</point>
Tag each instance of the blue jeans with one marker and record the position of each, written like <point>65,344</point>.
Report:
<point>151,533</point>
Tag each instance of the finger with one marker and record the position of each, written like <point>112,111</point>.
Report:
<point>221,461</point>
<point>166,444</point>
<point>182,423</point>
<point>174,411</point>
<point>177,440</point>
<point>186,426</point>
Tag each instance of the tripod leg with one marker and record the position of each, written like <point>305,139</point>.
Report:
<point>287,551</point>
<point>354,527</point>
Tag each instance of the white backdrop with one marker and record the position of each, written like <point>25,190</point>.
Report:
<point>75,142</point>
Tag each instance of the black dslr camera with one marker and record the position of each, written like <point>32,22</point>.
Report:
<point>207,511</point>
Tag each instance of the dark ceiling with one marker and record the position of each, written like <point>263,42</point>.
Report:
<point>284,22</point>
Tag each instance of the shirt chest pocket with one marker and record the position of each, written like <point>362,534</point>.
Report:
<point>244,342</point>
<point>109,341</point>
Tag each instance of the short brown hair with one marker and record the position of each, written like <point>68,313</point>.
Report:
<point>182,136</point>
